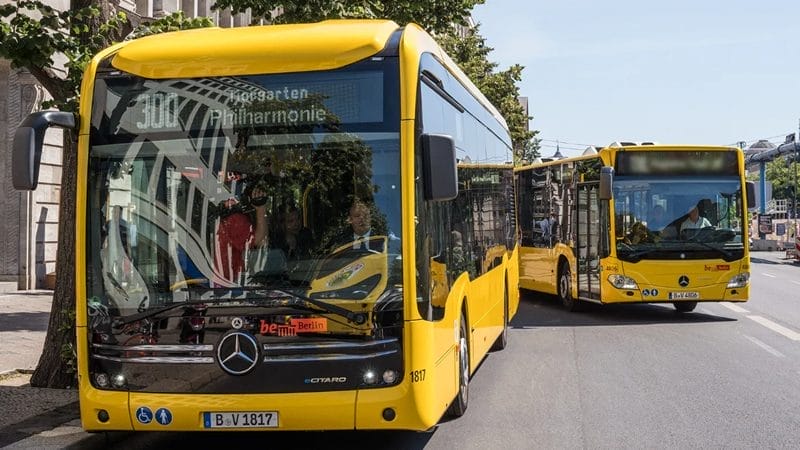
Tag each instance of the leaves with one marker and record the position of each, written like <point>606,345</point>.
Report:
<point>435,16</point>
<point>174,22</point>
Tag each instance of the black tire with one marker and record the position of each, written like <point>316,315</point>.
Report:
<point>502,340</point>
<point>460,402</point>
<point>565,288</point>
<point>684,306</point>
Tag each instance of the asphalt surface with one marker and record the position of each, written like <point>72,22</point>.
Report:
<point>49,418</point>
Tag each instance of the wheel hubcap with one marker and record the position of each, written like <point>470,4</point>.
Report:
<point>463,361</point>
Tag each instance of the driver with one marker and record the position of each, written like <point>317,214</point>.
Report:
<point>695,221</point>
<point>360,229</point>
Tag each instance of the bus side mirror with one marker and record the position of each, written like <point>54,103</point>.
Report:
<point>606,181</point>
<point>440,174</point>
<point>750,189</point>
<point>28,141</point>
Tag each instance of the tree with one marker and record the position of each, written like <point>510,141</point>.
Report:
<point>35,37</point>
<point>436,17</point>
<point>780,172</point>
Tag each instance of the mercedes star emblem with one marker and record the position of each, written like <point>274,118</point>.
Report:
<point>237,352</point>
<point>683,281</point>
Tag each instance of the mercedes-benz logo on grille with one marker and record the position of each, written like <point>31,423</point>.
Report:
<point>683,281</point>
<point>237,352</point>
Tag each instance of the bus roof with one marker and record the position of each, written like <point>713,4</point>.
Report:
<point>258,49</point>
<point>627,147</point>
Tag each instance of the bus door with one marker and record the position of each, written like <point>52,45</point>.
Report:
<point>588,240</point>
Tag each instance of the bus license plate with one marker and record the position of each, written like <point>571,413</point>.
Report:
<point>248,419</point>
<point>684,295</point>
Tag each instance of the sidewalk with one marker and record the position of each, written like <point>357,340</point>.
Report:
<point>32,417</point>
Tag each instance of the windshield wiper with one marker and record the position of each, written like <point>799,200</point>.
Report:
<point>125,320</point>
<point>355,317</point>
<point>636,256</point>
<point>726,255</point>
<point>267,301</point>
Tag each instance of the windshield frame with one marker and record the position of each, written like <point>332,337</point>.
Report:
<point>639,235</point>
<point>116,146</point>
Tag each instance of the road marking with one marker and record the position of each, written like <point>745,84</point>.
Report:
<point>769,275</point>
<point>793,335</point>
<point>795,282</point>
<point>765,346</point>
<point>734,308</point>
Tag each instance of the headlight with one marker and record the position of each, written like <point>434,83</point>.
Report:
<point>739,280</point>
<point>622,282</point>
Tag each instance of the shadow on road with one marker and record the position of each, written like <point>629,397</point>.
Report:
<point>389,440</point>
<point>782,261</point>
<point>24,321</point>
<point>542,310</point>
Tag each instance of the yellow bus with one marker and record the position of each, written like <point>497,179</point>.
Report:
<point>222,279</point>
<point>636,223</point>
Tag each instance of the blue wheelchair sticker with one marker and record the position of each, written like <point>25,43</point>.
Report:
<point>144,415</point>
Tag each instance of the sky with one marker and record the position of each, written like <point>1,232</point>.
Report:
<point>672,72</point>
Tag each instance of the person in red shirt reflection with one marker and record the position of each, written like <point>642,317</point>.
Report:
<point>239,232</point>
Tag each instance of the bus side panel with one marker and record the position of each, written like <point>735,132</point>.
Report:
<point>537,269</point>
<point>485,301</point>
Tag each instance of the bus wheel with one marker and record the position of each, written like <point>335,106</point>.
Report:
<point>459,405</point>
<point>565,288</point>
<point>502,340</point>
<point>684,306</point>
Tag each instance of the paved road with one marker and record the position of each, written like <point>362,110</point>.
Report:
<point>637,376</point>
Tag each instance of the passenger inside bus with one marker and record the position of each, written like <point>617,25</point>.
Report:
<point>657,219</point>
<point>294,239</point>
<point>640,234</point>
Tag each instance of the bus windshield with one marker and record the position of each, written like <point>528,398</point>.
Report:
<point>279,190</point>
<point>678,217</point>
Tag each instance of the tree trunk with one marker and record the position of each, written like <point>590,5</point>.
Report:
<point>57,365</point>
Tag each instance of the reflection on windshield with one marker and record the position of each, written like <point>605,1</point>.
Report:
<point>245,190</point>
<point>677,218</point>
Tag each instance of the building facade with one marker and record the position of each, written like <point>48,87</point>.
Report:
<point>30,231</point>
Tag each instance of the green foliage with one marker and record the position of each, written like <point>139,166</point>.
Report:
<point>439,17</point>
<point>782,175</point>
<point>174,22</point>
<point>33,35</point>
<point>435,16</point>
<point>68,353</point>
